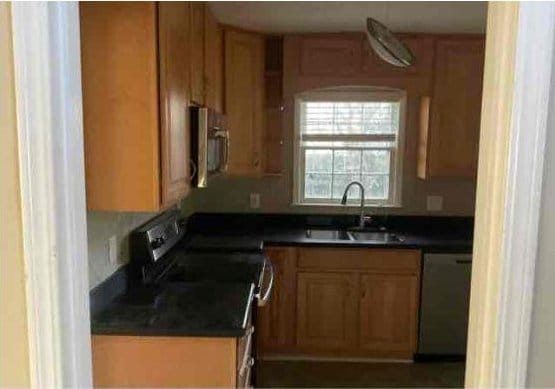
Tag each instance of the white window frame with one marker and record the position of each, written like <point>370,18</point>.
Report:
<point>397,153</point>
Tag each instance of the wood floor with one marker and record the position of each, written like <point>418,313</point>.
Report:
<point>312,374</point>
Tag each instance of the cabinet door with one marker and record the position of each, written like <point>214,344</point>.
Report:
<point>163,362</point>
<point>331,55</point>
<point>174,99</point>
<point>119,73</point>
<point>326,311</point>
<point>197,52</point>
<point>388,313</point>
<point>213,62</point>
<point>244,99</point>
<point>455,108</point>
<point>276,321</point>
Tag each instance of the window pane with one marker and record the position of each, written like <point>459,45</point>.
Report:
<point>349,137</point>
<point>346,161</point>
<point>342,144</point>
<point>376,186</point>
<point>318,161</point>
<point>375,161</point>
<point>340,182</point>
<point>381,118</point>
<point>317,186</point>
<point>347,118</point>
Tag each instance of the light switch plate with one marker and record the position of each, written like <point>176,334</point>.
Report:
<point>113,249</point>
<point>254,200</point>
<point>434,203</point>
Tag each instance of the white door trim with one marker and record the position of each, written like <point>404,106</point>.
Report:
<point>517,81</point>
<point>532,84</point>
<point>50,129</point>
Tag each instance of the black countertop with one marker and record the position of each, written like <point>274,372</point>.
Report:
<point>213,309</point>
<point>431,234</point>
<point>209,293</point>
<point>201,294</point>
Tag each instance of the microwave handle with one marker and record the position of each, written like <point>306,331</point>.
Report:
<point>224,134</point>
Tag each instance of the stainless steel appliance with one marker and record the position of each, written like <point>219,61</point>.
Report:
<point>161,258</point>
<point>444,305</point>
<point>209,144</point>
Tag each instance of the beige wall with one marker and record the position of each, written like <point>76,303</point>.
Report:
<point>14,356</point>
<point>100,227</point>
<point>228,194</point>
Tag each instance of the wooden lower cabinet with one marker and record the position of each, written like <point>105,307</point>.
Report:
<point>357,303</point>
<point>388,313</point>
<point>276,320</point>
<point>326,310</point>
<point>170,362</point>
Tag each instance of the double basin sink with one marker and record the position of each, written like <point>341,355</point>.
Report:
<point>361,236</point>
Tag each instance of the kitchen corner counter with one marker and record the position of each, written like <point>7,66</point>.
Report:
<point>203,309</point>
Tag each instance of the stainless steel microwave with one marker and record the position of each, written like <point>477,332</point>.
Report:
<point>209,145</point>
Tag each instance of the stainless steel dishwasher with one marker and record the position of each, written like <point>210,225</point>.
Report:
<point>444,305</point>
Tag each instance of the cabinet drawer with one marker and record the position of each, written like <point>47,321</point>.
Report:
<point>395,260</point>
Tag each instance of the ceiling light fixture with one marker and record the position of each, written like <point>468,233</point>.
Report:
<point>386,45</point>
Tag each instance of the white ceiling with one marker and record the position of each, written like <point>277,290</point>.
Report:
<point>336,16</point>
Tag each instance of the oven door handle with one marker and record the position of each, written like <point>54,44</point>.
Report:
<point>264,299</point>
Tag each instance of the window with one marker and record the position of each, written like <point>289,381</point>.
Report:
<point>349,135</point>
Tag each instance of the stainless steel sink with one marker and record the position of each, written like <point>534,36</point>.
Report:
<point>328,235</point>
<point>376,236</point>
<point>362,236</point>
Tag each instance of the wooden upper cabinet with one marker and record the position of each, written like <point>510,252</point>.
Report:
<point>276,320</point>
<point>451,140</point>
<point>388,312</point>
<point>244,100</point>
<point>134,104</point>
<point>273,106</point>
<point>330,55</point>
<point>197,10</point>
<point>326,310</point>
<point>174,100</point>
<point>213,62</point>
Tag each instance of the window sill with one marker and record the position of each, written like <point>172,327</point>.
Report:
<point>339,206</point>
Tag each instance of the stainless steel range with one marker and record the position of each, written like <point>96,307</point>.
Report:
<point>162,257</point>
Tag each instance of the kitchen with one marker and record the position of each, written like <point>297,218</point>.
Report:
<point>339,293</point>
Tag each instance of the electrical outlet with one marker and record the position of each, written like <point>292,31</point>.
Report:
<point>254,200</point>
<point>434,203</point>
<point>113,249</point>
